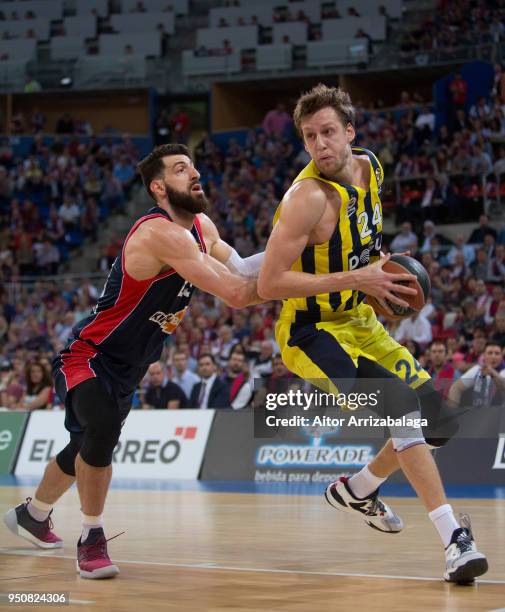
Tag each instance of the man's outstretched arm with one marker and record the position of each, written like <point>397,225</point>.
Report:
<point>175,246</point>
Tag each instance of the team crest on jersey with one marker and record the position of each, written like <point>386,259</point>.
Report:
<point>351,206</point>
<point>168,322</point>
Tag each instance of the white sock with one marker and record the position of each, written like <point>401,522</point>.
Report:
<point>38,510</point>
<point>90,522</point>
<point>445,522</point>
<point>364,482</point>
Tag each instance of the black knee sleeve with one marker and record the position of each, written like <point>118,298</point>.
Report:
<point>98,414</point>
<point>98,446</point>
<point>442,419</point>
<point>397,398</point>
<point>66,457</point>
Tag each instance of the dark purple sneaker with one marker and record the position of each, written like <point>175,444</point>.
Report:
<point>92,558</point>
<point>22,524</point>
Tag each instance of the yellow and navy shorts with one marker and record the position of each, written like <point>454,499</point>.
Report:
<point>330,349</point>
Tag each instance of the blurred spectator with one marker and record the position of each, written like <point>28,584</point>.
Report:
<point>281,378</point>
<point>487,381</point>
<point>104,261</point>
<point>480,267</point>
<point>497,265</point>
<point>31,84</point>
<point>38,388</point>
<point>406,240</point>
<point>163,127</point>
<point>440,370</point>
<point>37,120</point>
<point>65,124</point>
<point>416,328</point>
<point>262,362</point>
<point>210,392</point>
<point>498,333</point>
<point>47,257</point>
<point>277,121</point>
<point>471,318</point>
<point>124,172</point>
<point>480,110</point>
<point>162,393</point>
<point>223,345</point>
<point>181,374</point>
<point>478,234</point>
<point>460,246</point>
<point>425,123</point>
<point>69,212</point>
<point>459,91</point>
<point>180,125</point>
<point>238,381</point>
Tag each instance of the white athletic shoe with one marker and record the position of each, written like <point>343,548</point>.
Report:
<point>372,509</point>
<point>463,562</point>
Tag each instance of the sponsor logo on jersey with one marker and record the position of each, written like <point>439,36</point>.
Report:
<point>168,322</point>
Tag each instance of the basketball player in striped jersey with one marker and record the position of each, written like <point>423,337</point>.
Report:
<point>168,251</point>
<point>323,257</point>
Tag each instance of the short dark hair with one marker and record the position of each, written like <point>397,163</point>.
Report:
<point>209,355</point>
<point>319,97</point>
<point>493,343</point>
<point>151,167</point>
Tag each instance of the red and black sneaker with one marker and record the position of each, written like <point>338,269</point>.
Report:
<point>92,558</point>
<point>22,524</point>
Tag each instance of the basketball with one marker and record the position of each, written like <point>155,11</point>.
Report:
<point>399,264</point>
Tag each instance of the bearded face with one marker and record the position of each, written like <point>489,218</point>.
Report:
<point>192,200</point>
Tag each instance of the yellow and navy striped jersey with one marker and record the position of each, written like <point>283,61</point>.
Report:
<point>355,242</point>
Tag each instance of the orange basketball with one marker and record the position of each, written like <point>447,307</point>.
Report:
<point>399,264</point>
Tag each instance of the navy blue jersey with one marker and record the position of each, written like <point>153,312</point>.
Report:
<point>131,320</point>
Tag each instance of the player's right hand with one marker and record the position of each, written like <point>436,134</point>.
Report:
<point>373,280</point>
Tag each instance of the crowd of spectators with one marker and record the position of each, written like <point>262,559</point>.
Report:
<point>55,197</point>
<point>213,358</point>
<point>439,174</point>
<point>457,24</point>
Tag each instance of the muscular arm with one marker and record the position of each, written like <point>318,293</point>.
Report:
<point>227,255</point>
<point>174,246</point>
<point>302,209</point>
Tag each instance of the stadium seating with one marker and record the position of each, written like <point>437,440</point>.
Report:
<point>213,64</point>
<point>84,7</point>
<point>334,53</point>
<point>80,25</point>
<point>240,37</point>
<point>180,7</point>
<point>67,47</point>
<point>145,43</point>
<point>142,22</point>
<point>274,57</point>
<point>51,9</point>
<point>18,49</point>
<point>19,29</point>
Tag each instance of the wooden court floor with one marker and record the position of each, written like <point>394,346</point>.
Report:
<point>195,550</point>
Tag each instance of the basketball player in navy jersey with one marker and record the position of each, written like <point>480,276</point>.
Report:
<point>168,251</point>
